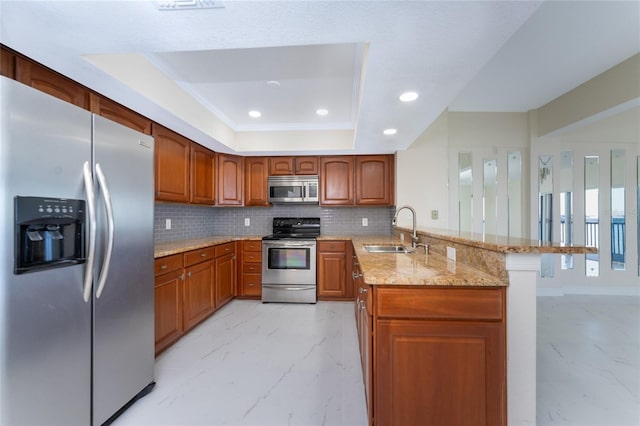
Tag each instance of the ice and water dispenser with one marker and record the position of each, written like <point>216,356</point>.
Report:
<point>49,233</point>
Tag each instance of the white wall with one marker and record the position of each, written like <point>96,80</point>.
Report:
<point>422,177</point>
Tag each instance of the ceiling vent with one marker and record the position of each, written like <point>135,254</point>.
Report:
<point>188,4</point>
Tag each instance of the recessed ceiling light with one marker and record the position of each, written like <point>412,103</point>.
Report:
<point>322,111</point>
<point>390,132</point>
<point>255,114</point>
<point>408,96</point>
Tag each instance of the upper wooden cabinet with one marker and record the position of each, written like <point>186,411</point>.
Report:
<point>115,112</point>
<point>336,180</point>
<point>202,168</point>
<point>375,180</point>
<point>256,175</point>
<point>172,157</point>
<point>230,176</point>
<point>7,63</point>
<point>293,166</point>
<point>49,81</point>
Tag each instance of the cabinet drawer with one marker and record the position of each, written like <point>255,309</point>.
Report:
<point>337,246</point>
<point>251,256</point>
<point>197,256</point>
<point>251,284</point>
<point>226,248</point>
<point>435,303</point>
<point>251,268</point>
<point>166,264</point>
<point>252,246</point>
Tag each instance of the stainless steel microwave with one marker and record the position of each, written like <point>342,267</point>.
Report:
<point>293,189</point>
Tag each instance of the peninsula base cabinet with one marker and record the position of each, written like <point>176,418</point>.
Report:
<point>439,356</point>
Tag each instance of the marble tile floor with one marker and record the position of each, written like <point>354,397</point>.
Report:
<point>260,364</point>
<point>284,364</point>
<point>588,361</point>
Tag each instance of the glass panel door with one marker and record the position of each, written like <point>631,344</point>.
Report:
<point>591,215</point>
<point>617,210</point>
<point>465,191</point>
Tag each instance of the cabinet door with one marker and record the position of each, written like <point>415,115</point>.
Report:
<point>280,166</point>
<point>439,372</point>
<point>172,153</point>
<point>374,180</point>
<point>49,81</point>
<point>255,181</point>
<point>198,293</point>
<point>168,302</point>
<point>366,353</point>
<point>202,168</point>
<point>336,180</point>
<point>118,113</point>
<point>229,180</point>
<point>225,279</point>
<point>7,63</point>
<point>331,275</point>
<point>306,165</point>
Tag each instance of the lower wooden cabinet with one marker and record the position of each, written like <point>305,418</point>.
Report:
<point>439,355</point>
<point>199,296</point>
<point>250,270</point>
<point>225,273</point>
<point>168,301</point>
<point>334,270</point>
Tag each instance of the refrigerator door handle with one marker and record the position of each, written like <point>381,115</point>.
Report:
<point>106,196</point>
<point>88,272</point>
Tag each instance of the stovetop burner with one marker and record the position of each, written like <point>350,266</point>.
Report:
<point>294,228</point>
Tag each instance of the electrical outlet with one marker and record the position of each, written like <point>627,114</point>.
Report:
<point>247,221</point>
<point>402,237</point>
<point>434,214</point>
<point>451,253</point>
<point>365,221</point>
<point>167,224</point>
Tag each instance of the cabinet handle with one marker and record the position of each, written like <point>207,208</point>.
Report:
<point>181,277</point>
<point>363,290</point>
<point>227,248</point>
<point>189,274</point>
<point>355,275</point>
<point>251,284</point>
<point>163,266</point>
<point>203,254</point>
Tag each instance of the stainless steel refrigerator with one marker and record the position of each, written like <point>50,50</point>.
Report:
<point>76,262</point>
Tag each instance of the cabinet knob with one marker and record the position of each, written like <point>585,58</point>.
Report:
<point>355,275</point>
<point>363,290</point>
<point>189,274</point>
<point>181,277</point>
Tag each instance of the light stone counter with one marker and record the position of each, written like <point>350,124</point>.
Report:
<point>181,246</point>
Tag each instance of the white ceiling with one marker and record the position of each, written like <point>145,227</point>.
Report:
<point>200,71</point>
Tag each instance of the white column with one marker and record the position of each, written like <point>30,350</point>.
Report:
<point>521,338</point>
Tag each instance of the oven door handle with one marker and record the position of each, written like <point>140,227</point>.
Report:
<point>283,287</point>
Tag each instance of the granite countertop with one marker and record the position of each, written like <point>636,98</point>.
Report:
<point>415,268</point>
<point>500,243</point>
<point>180,246</point>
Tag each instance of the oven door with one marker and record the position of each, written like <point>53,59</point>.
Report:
<point>289,262</point>
<point>289,271</point>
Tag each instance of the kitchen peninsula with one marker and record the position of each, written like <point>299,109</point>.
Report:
<point>427,323</point>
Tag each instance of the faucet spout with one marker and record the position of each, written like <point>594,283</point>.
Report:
<point>394,221</point>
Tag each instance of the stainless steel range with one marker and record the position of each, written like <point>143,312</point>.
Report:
<point>289,260</point>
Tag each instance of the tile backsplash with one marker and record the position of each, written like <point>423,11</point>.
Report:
<point>191,221</point>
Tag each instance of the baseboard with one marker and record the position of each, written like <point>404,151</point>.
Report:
<point>589,290</point>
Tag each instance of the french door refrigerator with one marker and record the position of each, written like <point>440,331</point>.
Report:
<point>76,262</point>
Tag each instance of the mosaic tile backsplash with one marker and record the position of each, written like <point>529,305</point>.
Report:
<point>190,221</point>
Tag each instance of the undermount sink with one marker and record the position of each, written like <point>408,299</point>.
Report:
<point>385,249</point>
